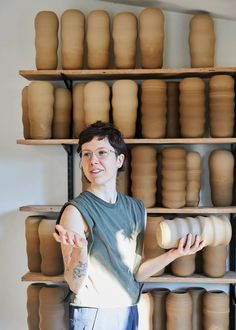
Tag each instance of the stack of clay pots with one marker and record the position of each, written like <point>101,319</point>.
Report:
<point>154,108</point>
<point>174,177</point>
<point>43,252</point>
<point>144,174</point>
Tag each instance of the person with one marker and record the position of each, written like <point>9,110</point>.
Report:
<point>101,234</point>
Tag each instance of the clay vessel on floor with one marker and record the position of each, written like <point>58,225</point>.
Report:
<point>197,300</point>
<point>214,260</point>
<point>159,312</point>
<point>33,305</point>
<point>25,113</point>
<point>145,310</point>
<point>78,109</point>
<point>193,162</point>
<point>172,127</point>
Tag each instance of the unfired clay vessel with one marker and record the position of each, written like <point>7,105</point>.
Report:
<point>214,260</point>
<point>33,305</point>
<point>72,39</point>
<point>193,162</point>
<point>78,109</point>
<point>25,113</point>
<point>159,312</point>
<point>197,300</point>
<point>183,266</point>
<point>46,40</point>
<point>172,127</point>
<point>145,311</point>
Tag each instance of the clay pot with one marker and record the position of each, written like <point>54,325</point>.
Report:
<point>151,35</point>
<point>159,312</point>
<point>173,173</point>
<point>25,113</point>
<point>202,41</point>
<point>124,106</point>
<point>221,106</point>
<point>72,39</point>
<point>153,108</point>
<point>32,243</point>
<point>183,266</point>
<point>33,305</point>
<point>50,250</point>
<point>40,103</point>
<point>46,40</point>
<point>197,300</point>
<point>145,311</point>
<point>151,248</point>
<point>98,39</point>
<point>124,34</point>
<point>179,310</point>
<point>172,127</point>
<point>192,107</point>
<point>96,102</point>
<point>215,310</point>
<point>62,114</point>
<point>221,172</point>
<point>193,162</point>
<point>214,230</point>
<point>214,260</point>
<point>144,174</point>
<point>53,310</point>
<point>78,109</point>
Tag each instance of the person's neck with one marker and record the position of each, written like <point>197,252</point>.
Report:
<point>108,195</point>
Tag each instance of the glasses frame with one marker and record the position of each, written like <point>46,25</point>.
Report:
<point>96,153</point>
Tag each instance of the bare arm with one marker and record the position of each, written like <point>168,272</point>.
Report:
<point>151,266</point>
<point>71,235</point>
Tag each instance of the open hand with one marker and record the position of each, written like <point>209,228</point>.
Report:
<point>70,238</point>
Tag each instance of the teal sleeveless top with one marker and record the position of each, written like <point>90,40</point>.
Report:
<point>114,250</point>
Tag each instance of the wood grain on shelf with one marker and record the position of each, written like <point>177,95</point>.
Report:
<point>229,277</point>
<point>112,74</point>
<point>41,208</point>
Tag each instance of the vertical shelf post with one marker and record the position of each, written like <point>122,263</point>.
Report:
<point>70,170</point>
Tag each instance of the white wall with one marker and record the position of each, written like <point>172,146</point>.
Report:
<point>37,175</point>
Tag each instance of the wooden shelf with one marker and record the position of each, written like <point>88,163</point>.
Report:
<point>135,141</point>
<point>162,210</point>
<point>229,277</point>
<point>113,74</point>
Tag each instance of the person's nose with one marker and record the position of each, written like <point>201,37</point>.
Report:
<point>94,159</point>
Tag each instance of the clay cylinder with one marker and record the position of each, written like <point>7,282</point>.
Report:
<point>183,266</point>
<point>72,39</point>
<point>96,102</point>
<point>98,39</point>
<point>25,113</point>
<point>46,40</point>
<point>173,173</point>
<point>202,41</point>
<point>197,300</point>
<point>172,127</point>
<point>145,311</point>
<point>192,107</point>
<point>32,243</point>
<point>221,106</point>
<point>78,109</point>
<point>221,172</point>
<point>154,108</point>
<point>151,35</point>
<point>124,34</point>
<point>62,114</point>
<point>124,106</point>
<point>151,248</point>
<point>193,162</point>
<point>159,312</point>
<point>179,310</point>
<point>53,311</point>
<point>144,174</point>
<point>214,260</point>
<point>33,305</point>
<point>40,103</point>
<point>215,310</point>
<point>50,250</point>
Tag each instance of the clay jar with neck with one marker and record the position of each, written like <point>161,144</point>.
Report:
<point>72,39</point>
<point>202,41</point>
<point>46,40</point>
<point>197,299</point>
<point>221,172</point>
<point>145,310</point>
<point>172,127</point>
<point>193,162</point>
<point>159,312</point>
<point>154,108</point>
<point>33,305</point>
<point>151,36</point>
<point>78,109</point>
<point>221,106</point>
<point>124,34</point>
<point>192,107</point>
<point>144,174</point>
<point>98,39</point>
<point>214,260</point>
<point>125,106</point>
<point>96,102</point>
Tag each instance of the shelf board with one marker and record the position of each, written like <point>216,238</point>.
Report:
<point>135,141</point>
<point>162,210</point>
<point>228,278</point>
<point>113,74</point>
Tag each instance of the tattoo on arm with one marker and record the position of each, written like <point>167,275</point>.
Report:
<point>80,270</point>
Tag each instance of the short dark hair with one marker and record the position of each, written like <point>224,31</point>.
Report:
<point>104,130</point>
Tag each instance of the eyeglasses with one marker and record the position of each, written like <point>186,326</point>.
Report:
<point>99,153</point>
